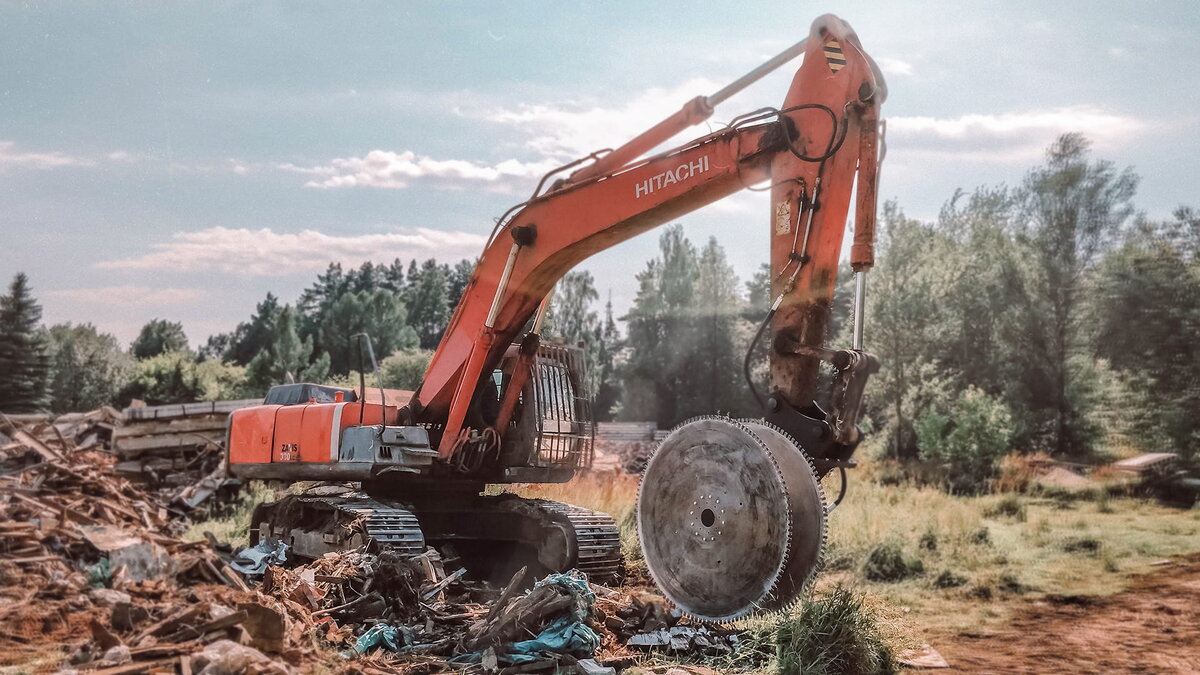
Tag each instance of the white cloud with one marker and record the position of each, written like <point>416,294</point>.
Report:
<point>891,66</point>
<point>37,160</point>
<point>266,253</point>
<point>143,296</point>
<point>555,132</point>
<point>395,170</point>
<point>1007,137</point>
<point>1041,26</point>
<point>572,129</point>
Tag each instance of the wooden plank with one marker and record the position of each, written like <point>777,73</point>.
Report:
<point>160,412</point>
<point>142,444</point>
<point>173,426</point>
<point>41,448</point>
<point>130,668</point>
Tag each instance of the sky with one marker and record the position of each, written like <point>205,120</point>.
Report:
<point>179,160</point>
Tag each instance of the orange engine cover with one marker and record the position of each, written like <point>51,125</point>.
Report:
<point>273,439</point>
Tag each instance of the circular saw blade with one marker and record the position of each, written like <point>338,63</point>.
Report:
<point>721,532</point>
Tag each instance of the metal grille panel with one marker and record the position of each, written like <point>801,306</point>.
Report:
<point>564,409</point>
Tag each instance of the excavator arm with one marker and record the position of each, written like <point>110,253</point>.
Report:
<point>809,150</point>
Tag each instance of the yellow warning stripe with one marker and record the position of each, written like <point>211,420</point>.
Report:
<point>834,55</point>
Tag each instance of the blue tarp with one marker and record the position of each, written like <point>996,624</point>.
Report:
<point>568,634</point>
<point>254,561</point>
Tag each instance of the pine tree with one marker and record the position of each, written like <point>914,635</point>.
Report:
<point>287,355</point>
<point>460,276</point>
<point>719,382</point>
<point>24,357</point>
<point>661,372</point>
<point>1073,209</point>
<point>252,337</point>
<point>428,302</point>
<point>377,313</point>
<point>608,386</point>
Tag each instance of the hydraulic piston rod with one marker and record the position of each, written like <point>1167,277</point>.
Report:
<point>693,112</point>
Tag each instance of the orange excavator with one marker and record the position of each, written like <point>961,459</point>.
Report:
<point>731,513</point>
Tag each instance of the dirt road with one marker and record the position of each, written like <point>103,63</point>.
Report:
<point>1154,627</point>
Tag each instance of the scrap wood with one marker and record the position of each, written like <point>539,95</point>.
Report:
<point>441,585</point>
<point>133,668</point>
<point>509,591</point>
<point>164,625</point>
<point>188,632</point>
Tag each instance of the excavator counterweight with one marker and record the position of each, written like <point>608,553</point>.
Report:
<point>731,513</point>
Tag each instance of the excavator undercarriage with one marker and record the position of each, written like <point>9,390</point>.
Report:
<point>491,535</point>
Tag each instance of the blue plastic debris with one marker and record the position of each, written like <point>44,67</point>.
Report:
<point>567,634</point>
<point>253,561</point>
<point>392,638</point>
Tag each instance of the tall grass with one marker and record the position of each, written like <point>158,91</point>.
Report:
<point>838,634</point>
<point>230,523</point>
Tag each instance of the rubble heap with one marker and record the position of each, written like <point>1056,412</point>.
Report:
<point>94,577</point>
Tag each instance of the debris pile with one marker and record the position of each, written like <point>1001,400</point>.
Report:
<point>80,545</point>
<point>176,450</point>
<point>93,577</point>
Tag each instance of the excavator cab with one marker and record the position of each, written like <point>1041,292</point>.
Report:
<point>552,430</point>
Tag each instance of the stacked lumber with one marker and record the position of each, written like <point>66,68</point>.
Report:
<point>626,431</point>
<point>169,448</point>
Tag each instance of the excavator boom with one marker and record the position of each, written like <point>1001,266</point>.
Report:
<point>809,150</point>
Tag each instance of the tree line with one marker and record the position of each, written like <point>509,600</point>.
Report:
<point>1047,316</point>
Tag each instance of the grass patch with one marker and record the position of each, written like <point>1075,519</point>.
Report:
<point>887,562</point>
<point>1009,506</point>
<point>231,522</point>
<point>975,538</point>
<point>1086,545</point>
<point>928,541</point>
<point>948,579</point>
<point>834,634</point>
<point>1131,531</point>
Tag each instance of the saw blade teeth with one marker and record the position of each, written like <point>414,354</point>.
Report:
<point>807,586</point>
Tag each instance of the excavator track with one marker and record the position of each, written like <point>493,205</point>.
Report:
<point>598,540</point>
<point>563,536</point>
<point>313,525</point>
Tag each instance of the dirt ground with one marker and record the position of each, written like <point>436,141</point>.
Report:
<point>1153,627</point>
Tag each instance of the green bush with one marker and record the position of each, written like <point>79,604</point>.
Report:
<point>928,541</point>
<point>833,635</point>
<point>968,439</point>
<point>405,369</point>
<point>948,579</point>
<point>1010,583</point>
<point>1084,545</point>
<point>886,562</point>
<point>1010,506</point>
<point>176,377</point>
